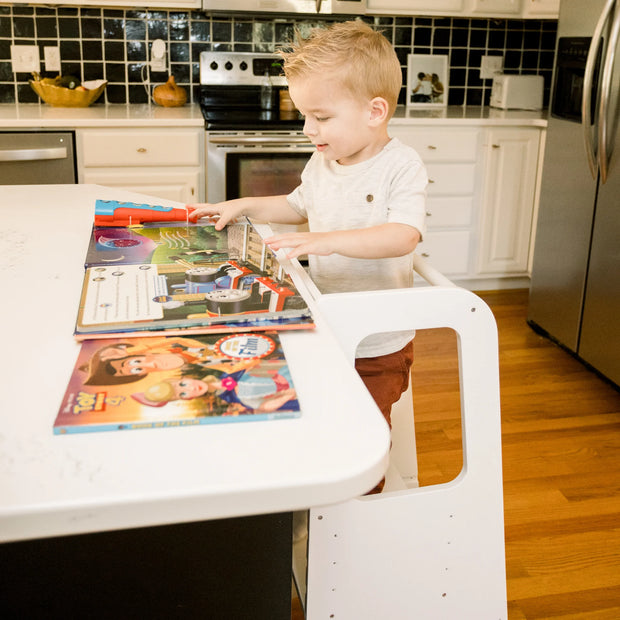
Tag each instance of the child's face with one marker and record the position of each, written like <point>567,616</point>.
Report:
<point>336,122</point>
<point>188,388</point>
<point>141,364</point>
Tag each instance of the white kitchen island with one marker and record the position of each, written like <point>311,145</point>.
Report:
<point>154,507</point>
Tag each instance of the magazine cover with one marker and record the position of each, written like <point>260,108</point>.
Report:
<point>184,277</point>
<point>158,382</point>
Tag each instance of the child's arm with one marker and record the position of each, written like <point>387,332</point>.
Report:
<point>383,241</point>
<point>274,209</point>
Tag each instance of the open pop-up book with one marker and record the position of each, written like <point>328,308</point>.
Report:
<point>184,277</point>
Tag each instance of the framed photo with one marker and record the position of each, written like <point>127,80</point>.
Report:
<point>427,80</point>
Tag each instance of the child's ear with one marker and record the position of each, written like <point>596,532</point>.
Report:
<point>379,110</point>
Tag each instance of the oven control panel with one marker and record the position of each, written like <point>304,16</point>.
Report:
<point>240,68</point>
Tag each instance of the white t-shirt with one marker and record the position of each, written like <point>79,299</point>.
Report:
<point>388,188</point>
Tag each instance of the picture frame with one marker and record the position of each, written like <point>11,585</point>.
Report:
<point>430,91</point>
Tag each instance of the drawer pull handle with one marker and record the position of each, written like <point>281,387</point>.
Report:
<point>141,150</point>
<point>429,213</point>
<point>495,146</point>
<point>431,147</point>
<point>425,254</point>
<point>431,181</point>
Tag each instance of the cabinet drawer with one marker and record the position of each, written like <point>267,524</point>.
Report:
<point>447,145</point>
<point>168,183</point>
<point>449,212</point>
<point>140,148</point>
<point>447,251</point>
<point>451,179</point>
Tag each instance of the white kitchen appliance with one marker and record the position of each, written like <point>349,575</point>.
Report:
<point>517,92</point>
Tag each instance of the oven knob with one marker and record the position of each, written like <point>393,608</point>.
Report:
<point>213,65</point>
<point>228,66</point>
<point>243,66</point>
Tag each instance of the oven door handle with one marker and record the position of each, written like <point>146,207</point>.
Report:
<point>259,140</point>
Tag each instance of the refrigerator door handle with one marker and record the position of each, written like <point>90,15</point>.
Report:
<point>606,85</point>
<point>588,80</point>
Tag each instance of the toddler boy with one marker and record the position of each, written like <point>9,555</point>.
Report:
<point>361,193</point>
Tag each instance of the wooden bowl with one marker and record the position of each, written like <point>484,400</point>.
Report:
<point>67,98</point>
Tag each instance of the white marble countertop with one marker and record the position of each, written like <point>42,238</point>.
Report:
<point>469,115</point>
<point>55,485</point>
<point>34,115</point>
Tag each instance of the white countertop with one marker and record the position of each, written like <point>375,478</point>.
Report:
<point>34,115</point>
<point>27,115</point>
<point>469,115</point>
<point>67,484</point>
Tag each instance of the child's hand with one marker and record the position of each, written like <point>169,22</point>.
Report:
<point>302,243</point>
<point>223,211</point>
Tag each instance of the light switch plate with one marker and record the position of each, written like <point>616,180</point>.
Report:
<point>490,65</point>
<point>25,58</point>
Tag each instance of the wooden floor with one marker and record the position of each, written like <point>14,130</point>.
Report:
<point>561,451</point>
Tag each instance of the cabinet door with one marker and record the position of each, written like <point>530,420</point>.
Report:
<point>99,148</point>
<point>414,6</point>
<point>505,7</point>
<point>541,8</point>
<point>181,186</point>
<point>173,4</point>
<point>508,200</point>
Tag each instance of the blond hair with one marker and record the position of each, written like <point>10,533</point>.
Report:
<point>363,59</point>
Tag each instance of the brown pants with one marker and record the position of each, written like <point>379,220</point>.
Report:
<point>386,377</point>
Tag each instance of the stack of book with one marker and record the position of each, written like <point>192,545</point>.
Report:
<point>179,326</point>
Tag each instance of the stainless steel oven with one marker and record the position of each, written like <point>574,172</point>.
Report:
<point>253,149</point>
<point>254,163</point>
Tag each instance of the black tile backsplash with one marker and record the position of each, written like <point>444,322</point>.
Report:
<point>114,44</point>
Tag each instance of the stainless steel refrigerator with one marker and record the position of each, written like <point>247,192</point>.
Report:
<point>575,287</point>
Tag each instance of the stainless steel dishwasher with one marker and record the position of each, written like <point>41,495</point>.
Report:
<point>37,158</point>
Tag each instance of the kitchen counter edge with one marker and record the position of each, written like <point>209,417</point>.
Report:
<point>33,115</point>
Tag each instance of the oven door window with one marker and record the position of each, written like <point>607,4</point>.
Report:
<point>263,174</point>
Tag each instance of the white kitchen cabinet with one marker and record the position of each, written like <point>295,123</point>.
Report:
<point>413,7</point>
<point>172,4</point>
<point>163,162</point>
<point>451,156</point>
<point>467,8</point>
<point>541,8</point>
<point>480,202</point>
<point>510,174</point>
<point>496,7</point>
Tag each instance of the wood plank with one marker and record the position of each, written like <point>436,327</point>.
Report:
<point>561,463</point>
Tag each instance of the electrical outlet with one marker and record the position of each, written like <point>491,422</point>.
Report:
<point>158,55</point>
<point>25,58</point>
<point>52,58</point>
<point>490,65</point>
